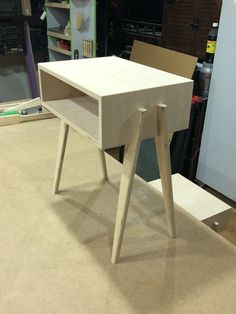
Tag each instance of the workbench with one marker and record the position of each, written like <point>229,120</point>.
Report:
<point>55,249</point>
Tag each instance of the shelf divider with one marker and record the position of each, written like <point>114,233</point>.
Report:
<point>57,5</point>
<point>58,35</point>
<point>81,113</point>
<point>60,50</point>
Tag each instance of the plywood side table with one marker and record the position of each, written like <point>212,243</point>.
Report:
<point>116,102</point>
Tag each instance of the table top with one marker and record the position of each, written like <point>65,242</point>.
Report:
<point>105,76</point>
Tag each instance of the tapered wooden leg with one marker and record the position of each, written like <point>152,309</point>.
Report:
<point>127,178</point>
<point>163,156</point>
<point>103,163</point>
<point>60,155</point>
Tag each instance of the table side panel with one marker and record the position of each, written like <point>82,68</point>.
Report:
<point>72,74</point>
<point>74,107</point>
<point>100,123</point>
<point>118,112</point>
<point>52,88</point>
<point>80,113</point>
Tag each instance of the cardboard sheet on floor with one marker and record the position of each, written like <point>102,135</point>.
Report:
<point>55,249</point>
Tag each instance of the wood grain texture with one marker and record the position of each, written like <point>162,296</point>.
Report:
<point>163,157</point>
<point>107,76</point>
<point>179,33</point>
<point>51,88</point>
<point>103,163</point>
<point>80,113</point>
<point>57,5</point>
<point>119,87</point>
<point>64,128</point>
<point>197,202</point>
<point>208,12</point>
<point>126,183</point>
<point>124,106</point>
<point>177,28</point>
<point>58,35</point>
<point>163,59</point>
<point>60,50</point>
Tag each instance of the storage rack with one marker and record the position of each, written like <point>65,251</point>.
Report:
<point>125,31</point>
<point>18,28</point>
<point>38,36</point>
<point>10,7</point>
<point>70,25</point>
<point>11,35</point>
<point>12,39</point>
<point>12,28</point>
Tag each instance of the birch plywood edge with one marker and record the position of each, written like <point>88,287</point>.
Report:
<point>198,202</point>
<point>106,76</point>
<point>120,87</point>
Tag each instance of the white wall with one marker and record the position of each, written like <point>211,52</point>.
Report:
<point>217,160</point>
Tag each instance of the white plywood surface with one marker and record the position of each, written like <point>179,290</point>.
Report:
<point>107,76</point>
<point>192,198</point>
<point>121,87</point>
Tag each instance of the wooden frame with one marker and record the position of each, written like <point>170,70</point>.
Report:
<point>105,82</point>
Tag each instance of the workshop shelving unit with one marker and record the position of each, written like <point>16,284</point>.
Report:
<point>12,39</point>
<point>10,7</point>
<point>12,29</point>
<point>71,27</point>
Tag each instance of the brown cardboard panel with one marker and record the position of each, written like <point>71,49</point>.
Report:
<point>163,59</point>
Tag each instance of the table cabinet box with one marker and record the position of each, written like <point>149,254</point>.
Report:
<point>100,97</point>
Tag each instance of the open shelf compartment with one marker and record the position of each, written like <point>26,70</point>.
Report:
<point>78,110</point>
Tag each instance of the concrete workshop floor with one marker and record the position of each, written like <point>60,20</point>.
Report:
<point>55,249</point>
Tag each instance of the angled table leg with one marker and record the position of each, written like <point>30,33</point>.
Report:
<point>103,163</point>
<point>127,178</point>
<point>60,154</point>
<point>163,156</point>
